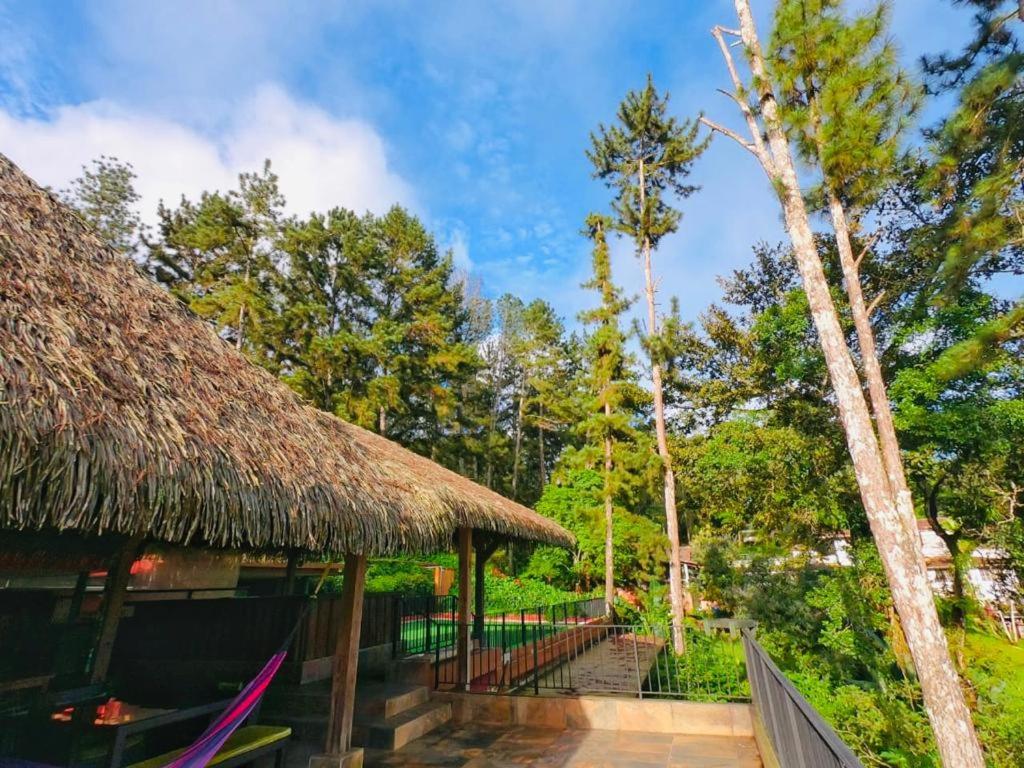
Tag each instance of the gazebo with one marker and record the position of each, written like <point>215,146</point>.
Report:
<point>126,419</point>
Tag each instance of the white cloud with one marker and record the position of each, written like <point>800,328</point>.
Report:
<point>322,161</point>
<point>458,243</point>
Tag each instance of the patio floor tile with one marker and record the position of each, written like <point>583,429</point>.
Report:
<point>474,746</point>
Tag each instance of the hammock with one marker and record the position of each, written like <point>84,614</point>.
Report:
<point>202,750</point>
<point>206,746</point>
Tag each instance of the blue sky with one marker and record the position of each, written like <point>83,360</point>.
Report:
<point>474,114</point>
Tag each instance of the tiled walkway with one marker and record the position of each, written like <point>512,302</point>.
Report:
<point>477,746</point>
<point>609,666</point>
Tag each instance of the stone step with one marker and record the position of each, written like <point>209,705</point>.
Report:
<point>385,700</point>
<point>395,732</point>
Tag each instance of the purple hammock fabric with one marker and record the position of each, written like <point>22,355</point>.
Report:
<point>213,738</point>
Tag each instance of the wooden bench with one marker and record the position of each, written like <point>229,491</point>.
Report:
<point>248,743</point>
<point>243,746</point>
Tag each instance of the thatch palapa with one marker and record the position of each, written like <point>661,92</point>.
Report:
<point>125,413</point>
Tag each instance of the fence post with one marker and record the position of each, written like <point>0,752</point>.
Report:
<point>430,615</point>
<point>636,661</point>
<point>437,666</point>
<point>396,626</point>
<point>522,624</point>
<point>536,672</point>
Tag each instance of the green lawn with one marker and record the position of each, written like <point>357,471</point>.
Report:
<point>443,631</point>
<point>996,669</point>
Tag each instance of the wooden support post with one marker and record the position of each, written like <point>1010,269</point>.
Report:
<point>113,604</point>
<point>289,573</point>
<point>338,749</point>
<point>463,647</point>
<point>78,597</point>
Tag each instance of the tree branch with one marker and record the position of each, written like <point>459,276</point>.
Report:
<point>759,149</point>
<point>950,539</point>
<point>864,251</point>
<point>874,303</point>
<point>749,146</point>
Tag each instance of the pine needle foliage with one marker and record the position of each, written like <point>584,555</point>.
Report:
<point>645,155</point>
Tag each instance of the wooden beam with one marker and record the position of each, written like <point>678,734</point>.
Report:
<point>289,573</point>
<point>346,658</point>
<point>465,598</point>
<point>114,592</point>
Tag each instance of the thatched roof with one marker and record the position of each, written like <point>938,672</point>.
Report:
<point>123,412</point>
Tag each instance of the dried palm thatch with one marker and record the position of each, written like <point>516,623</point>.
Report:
<point>124,413</point>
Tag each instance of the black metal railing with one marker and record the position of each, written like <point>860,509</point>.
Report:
<point>423,623</point>
<point>799,736</point>
<point>428,624</point>
<point>595,656</point>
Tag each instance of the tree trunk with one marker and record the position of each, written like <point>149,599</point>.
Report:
<point>493,426</point>
<point>872,367</point>
<point>900,551</point>
<point>462,431</point>
<point>609,559</point>
<point>517,449</point>
<point>540,450</point>
<point>675,567</point>
<point>382,421</point>
<point>241,315</point>
<point>952,542</point>
<point>241,326</point>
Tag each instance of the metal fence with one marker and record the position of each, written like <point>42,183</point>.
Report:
<point>593,656</point>
<point>428,624</point>
<point>798,734</point>
<point>423,624</point>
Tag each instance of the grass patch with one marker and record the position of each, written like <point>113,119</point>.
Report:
<point>995,668</point>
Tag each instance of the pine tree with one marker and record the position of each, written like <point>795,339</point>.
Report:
<point>845,102</point>
<point>975,174</point>
<point>105,197</point>
<point>220,256</point>
<point>894,533</point>
<point>318,337</point>
<point>545,357</point>
<point>645,157</point>
<point>606,373</point>
<point>415,342</point>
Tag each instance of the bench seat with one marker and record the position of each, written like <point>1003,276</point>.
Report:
<point>249,741</point>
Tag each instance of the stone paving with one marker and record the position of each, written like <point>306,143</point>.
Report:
<point>480,746</point>
<point>614,665</point>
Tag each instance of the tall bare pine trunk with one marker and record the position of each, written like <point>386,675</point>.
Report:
<point>869,360</point>
<point>895,536</point>
<point>609,519</point>
<point>675,566</point>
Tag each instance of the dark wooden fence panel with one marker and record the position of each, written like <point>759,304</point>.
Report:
<point>246,629</point>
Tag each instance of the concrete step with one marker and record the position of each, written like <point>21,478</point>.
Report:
<point>385,700</point>
<point>395,732</point>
